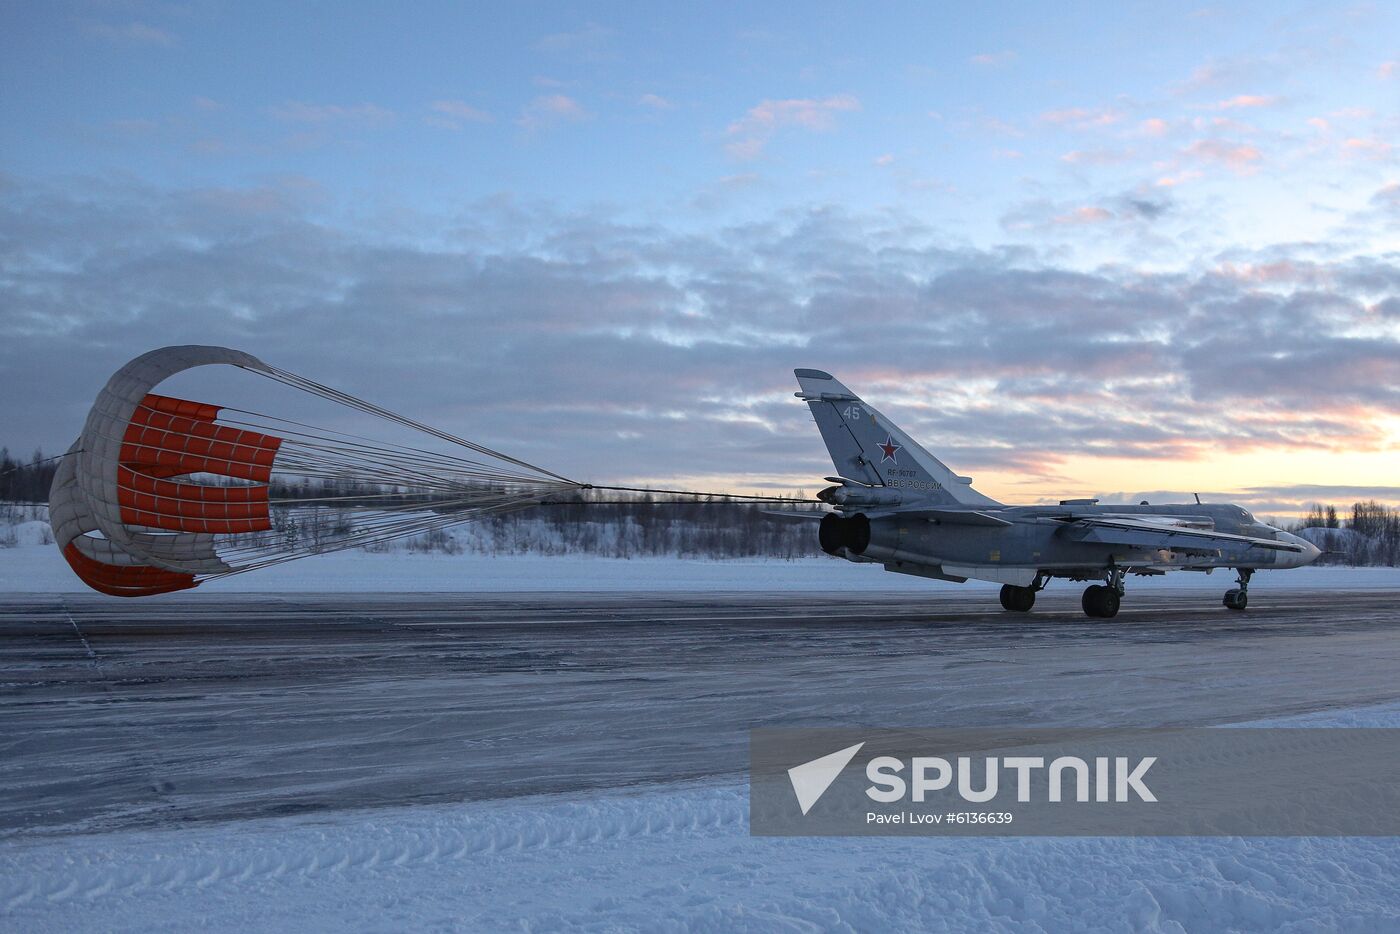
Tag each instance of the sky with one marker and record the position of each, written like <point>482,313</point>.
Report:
<point>1116,249</point>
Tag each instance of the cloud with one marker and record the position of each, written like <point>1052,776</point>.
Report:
<point>453,114</point>
<point>1267,501</point>
<point>1242,70</point>
<point>1154,126</point>
<point>1128,211</point>
<point>1079,118</point>
<point>655,102</point>
<point>363,115</point>
<point>993,59</point>
<point>1240,157</point>
<point>133,33</point>
<point>1388,70</point>
<point>752,132</point>
<point>687,339</point>
<point>1083,215</point>
<point>592,43</point>
<point>1367,147</point>
<point>1387,197</point>
<point>1146,208</point>
<point>998,127</point>
<point>1097,156</point>
<point>550,110</point>
<point>1179,178</point>
<point>1246,101</point>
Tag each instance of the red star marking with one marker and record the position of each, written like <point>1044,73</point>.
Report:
<point>890,448</point>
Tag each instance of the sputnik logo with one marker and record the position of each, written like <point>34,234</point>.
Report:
<point>810,780</point>
<point>891,449</point>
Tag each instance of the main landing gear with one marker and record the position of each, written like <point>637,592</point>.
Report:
<point>1238,598</point>
<point>1021,599</point>
<point>1100,601</point>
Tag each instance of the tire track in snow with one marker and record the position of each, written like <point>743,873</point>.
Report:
<point>308,853</point>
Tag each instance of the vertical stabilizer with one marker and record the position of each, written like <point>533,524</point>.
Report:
<point>869,448</point>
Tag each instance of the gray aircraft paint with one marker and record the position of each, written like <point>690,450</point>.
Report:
<point>899,506</point>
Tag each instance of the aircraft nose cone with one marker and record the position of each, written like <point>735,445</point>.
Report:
<point>1308,555</point>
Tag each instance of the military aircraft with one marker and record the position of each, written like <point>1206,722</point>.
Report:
<point>897,505</point>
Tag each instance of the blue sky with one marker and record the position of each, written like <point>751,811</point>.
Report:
<point>743,184</point>
<point>962,116</point>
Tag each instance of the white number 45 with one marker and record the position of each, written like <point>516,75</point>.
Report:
<point>852,413</point>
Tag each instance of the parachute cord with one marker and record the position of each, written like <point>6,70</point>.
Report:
<point>56,457</point>
<point>731,497</point>
<point>336,395</point>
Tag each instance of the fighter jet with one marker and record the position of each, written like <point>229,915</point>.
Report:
<point>897,505</point>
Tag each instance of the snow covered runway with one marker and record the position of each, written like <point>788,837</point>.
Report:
<point>518,761</point>
<point>125,714</point>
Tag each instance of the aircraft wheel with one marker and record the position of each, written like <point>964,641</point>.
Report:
<point>1236,599</point>
<point>1100,602</point>
<point>1017,599</point>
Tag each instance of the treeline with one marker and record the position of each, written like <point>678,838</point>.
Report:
<point>1367,535</point>
<point>605,524</point>
<point>25,481</point>
<point>644,525</point>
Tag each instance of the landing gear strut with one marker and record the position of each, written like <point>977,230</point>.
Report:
<point>1238,598</point>
<point>1100,601</point>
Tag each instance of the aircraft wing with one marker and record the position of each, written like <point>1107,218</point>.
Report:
<point>1145,533</point>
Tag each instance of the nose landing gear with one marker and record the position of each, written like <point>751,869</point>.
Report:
<point>1238,598</point>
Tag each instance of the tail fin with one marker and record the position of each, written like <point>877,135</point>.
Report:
<point>868,448</point>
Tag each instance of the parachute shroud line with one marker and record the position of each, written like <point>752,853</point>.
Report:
<point>160,493</point>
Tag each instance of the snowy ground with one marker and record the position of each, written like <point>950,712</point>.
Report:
<point>680,858</point>
<point>675,856</point>
<point>40,569</point>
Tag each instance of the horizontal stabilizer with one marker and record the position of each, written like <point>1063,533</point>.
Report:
<point>788,516</point>
<point>954,516</point>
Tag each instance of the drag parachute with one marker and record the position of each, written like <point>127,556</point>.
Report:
<point>159,493</point>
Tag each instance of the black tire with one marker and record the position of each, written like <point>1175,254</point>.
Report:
<point>1017,599</point>
<point>1100,602</point>
<point>1236,599</point>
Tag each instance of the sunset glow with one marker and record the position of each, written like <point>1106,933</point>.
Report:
<point>1076,252</point>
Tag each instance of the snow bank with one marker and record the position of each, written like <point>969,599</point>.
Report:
<point>680,858</point>
<point>40,569</point>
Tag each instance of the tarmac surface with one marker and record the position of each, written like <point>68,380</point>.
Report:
<point>124,714</point>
